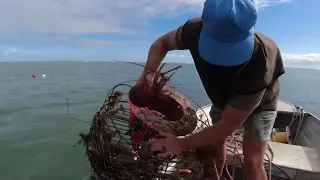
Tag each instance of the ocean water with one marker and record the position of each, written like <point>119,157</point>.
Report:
<point>36,134</point>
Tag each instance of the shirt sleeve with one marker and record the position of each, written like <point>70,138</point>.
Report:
<point>247,102</point>
<point>179,41</point>
<point>188,34</point>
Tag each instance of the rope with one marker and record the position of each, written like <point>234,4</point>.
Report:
<point>298,114</point>
<point>234,144</point>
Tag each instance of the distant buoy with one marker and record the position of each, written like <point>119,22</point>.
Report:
<point>34,76</point>
<point>43,76</point>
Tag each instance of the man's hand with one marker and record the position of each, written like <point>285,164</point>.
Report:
<point>146,81</point>
<point>159,49</point>
<point>168,146</point>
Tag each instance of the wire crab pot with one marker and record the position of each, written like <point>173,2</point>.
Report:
<point>117,142</point>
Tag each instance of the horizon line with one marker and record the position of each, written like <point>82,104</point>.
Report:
<point>114,61</point>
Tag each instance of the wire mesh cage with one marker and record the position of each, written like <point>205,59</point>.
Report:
<point>117,143</point>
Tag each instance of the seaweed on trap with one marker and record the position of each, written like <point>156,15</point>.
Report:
<point>109,144</point>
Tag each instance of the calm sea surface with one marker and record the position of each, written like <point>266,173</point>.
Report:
<point>36,134</point>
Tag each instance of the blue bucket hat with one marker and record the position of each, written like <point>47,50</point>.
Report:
<point>227,35</point>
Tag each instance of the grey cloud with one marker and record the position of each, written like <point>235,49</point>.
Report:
<point>69,17</point>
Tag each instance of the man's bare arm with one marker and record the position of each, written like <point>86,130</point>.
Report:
<point>233,116</point>
<point>160,48</point>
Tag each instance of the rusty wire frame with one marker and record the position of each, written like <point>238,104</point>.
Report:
<point>109,146</point>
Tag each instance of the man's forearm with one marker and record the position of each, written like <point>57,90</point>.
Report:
<point>208,136</point>
<point>232,119</point>
<point>157,52</point>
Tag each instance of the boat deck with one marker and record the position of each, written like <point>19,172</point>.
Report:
<point>297,161</point>
<point>286,107</point>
